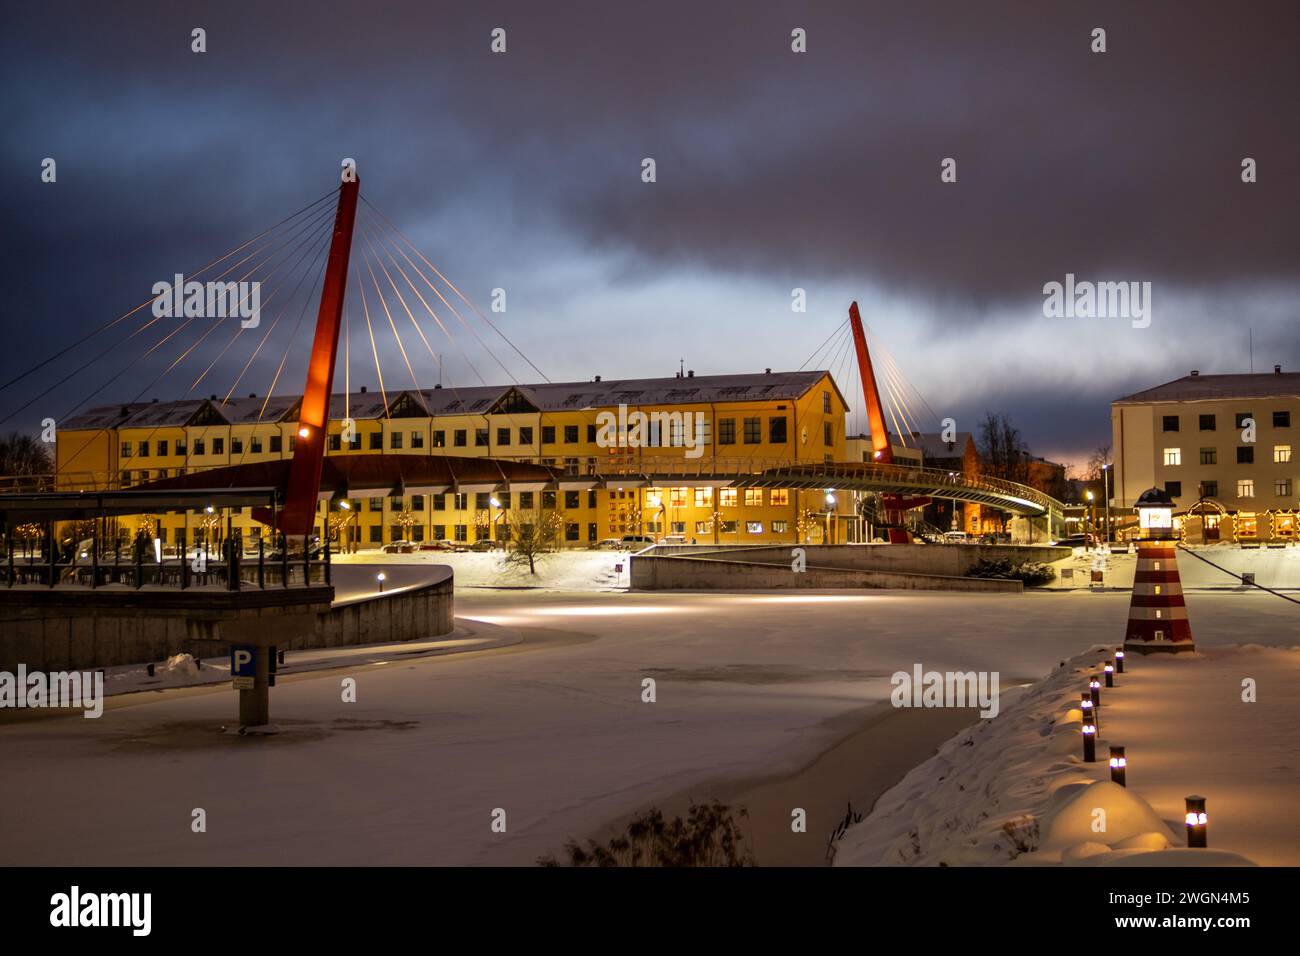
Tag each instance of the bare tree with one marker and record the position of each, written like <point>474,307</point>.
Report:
<point>534,533</point>
<point>1002,452</point>
<point>1099,457</point>
<point>23,455</point>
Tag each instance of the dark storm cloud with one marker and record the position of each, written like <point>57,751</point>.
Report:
<point>819,169</point>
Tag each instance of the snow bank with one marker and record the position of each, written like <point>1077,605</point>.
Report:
<point>1015,788</point>
<point>559,571</point>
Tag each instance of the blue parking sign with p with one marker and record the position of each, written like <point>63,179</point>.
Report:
<point>243,660</point>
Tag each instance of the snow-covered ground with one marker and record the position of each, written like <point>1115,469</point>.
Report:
<point>552,730</point>
<point>1016,787</point>
<point>561,571</point>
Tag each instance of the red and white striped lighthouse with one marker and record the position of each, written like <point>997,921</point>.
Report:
<point>1157,613</point>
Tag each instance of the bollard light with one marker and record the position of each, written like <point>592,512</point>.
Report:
<point>1119,660</point>
<point>1094,687</point>
<point>1089,739</point>
<point>149,669</point>
<point>381,577</point>
<point>1109,672</point>
<point>1089,711</point>
<point>1118,764</point>
<point>1197,822</point>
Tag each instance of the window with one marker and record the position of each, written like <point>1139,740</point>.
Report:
<point>461,532</point>
<point>1282,487</point>
<point>548,434</point>
<point>376,504</point>
<point>237,445</point>
<point>255,445</point>
<point>1245,455</point>
<point>482,501</point>
<point>1209,489</point>
<point>182,448</point>
<point>726,431</point>
<point>440,532</point>
<point>571,436</point>
<point>458,437</point>
<point>727,497</point>
<point>376,534</point>
<point>417,439</point>
<point>335,443</point>
<point>503,436</point>
<point>1281,454</point>
<point>779,527</point>
<point>162,448</point>
<point>828,435</point>
<point>1281,419</point>
<point>1246,525</point>
<point>480,438</point>
<point>439,439</point>
<point>591,531</point>
<point>753,431</point>
<point>753,497</point>
<point>126,449</point>
<point>461,501</point>
<point>780,497</point>
<point>677,497</point>
<point>1170,423</point>
<point>144,449</point>
<point>439,502</point>
<point>417,502</point>
<point>293,442</point>
<point>1241,418</point>
<point>1209,456</point>
<point>754,527</point>
<point>1173,456</point>
<point>1246,488</point>
<point>571,499</point>
<point>548,499</point>
<point>826,403</point>
<point>1207,423</point>
<point>504,499</point>
<point>376,441</point>
<point>591,498</point>
<point>355,443</point>
<point>703,527</point>
<point>1174,489</point>
<point>591,433</point>
<point>776,434</point>
<point>396,503</point>
<point>395,440</point>
<point>526,500</point>
<point>277,443</point>
<point>727,527</point>
<point>525,434</point>
<point>199,447</point>
<point>571,527</point>
<point>704,497</point>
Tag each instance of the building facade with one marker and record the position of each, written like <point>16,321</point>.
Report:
<point>696,427</point>
<point>1222,446</point>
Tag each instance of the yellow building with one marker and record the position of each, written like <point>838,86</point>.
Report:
<point>691,431</point>
<point>1222,446</point>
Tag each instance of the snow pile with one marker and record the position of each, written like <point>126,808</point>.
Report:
<point>182,666</point>
<point>1016,789</point>
<point>559,570</point>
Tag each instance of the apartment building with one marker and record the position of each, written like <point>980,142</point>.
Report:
<point>1222,446</point>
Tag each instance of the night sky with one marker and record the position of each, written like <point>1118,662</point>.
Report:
<point>775,170</point>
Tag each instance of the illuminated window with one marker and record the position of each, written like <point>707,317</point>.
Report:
<point>780,497</point>
<point>779,527</point>
<point>1173,456</point>
<point>677,497</point>
<point>753,497</point>
<point>1246,488</point>
<point>754,527</point>
<point>1281,454</point>
<point>703,497</point>
<point>727,497</point>
<point>1282,487</point>
<point>1247,525</point>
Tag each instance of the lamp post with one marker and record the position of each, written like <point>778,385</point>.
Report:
<point>1109,672</point>
<point>381,577</point>
<point>1094,690</point>
<point>830,505</point>
<point>1089,739</point>
<point>1119,660</point>
<point>1197,822</point>
<point>1089,710</point>
<point>1091,518</point>
<point>1105,491</point>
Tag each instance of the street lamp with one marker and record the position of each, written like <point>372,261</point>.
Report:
<point>830,505</point>
<point>1118,766</point>
<point>1105,485</point>
<point>381,577</point>
<point>1197,822</point>
<point>1092,515</point>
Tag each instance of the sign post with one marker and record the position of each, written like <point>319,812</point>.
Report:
<point>250,673</point>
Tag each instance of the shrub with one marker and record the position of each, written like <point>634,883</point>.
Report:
<point>1030,573</point>
<point>709,836</point>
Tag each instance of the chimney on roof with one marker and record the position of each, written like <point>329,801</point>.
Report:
<point>439,385</point>
<point>1195,373</point>
<point>596,379</point>
<point>690,373</point>
<point>153,401</point>
<point>767,371</point>
<point>1277,370</point>
<point>125,411</point>
<point>252,394</point>
<point>212,398</point>
<point>363,390</point>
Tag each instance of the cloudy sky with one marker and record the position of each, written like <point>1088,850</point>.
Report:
<point>775,170</point>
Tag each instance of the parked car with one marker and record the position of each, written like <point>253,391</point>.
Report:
<point>636,540</point>
<point>673,539</point>
<point>608,544</point>
<point>437,546</point>
<point>398,547</point>
<point>484,544</point>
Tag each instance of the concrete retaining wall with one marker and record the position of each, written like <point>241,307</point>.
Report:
<point>943,559</point>
<point>663,572</point>
<point>62,630</point>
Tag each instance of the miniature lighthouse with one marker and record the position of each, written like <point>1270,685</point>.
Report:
<point>1157,614</point>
